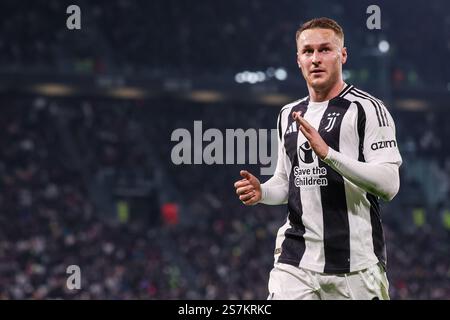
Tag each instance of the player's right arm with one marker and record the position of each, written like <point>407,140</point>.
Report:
<point>275,190</point>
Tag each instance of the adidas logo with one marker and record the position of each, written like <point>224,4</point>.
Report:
<point>292,128</point>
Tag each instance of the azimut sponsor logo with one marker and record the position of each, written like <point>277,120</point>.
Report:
<point>383,144</point>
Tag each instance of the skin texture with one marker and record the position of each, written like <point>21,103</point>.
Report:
<point>248,189</point>
<point>320,56</point>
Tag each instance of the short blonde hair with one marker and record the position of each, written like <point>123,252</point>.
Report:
<point>321,23</point>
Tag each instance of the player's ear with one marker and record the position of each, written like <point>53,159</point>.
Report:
<point>344,55</point>
<point>298,60</point>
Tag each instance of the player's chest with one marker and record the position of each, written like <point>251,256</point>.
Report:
<point>333,124</point>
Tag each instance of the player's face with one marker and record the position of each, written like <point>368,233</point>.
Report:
<point>320,55</point>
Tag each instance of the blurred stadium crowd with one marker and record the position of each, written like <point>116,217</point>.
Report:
<point>89,180</point>
<point>216,249</point>
<point>154,37</point>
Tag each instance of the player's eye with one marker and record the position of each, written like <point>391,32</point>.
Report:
<point>325,49</point>
<point>308,51</point>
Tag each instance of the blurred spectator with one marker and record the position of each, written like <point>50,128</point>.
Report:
<point>54,211</point>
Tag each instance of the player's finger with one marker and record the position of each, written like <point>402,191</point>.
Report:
<point>250,201</point>
<point>305,132</point>
<point>245,174</point>
<point>301,121</point>
<point>241,183</point>
<point>245,190</point>
<point>304,123</point>
<point>296,114</point>
<point>246,197</point>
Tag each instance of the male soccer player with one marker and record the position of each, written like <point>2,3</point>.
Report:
<point>337,155</point>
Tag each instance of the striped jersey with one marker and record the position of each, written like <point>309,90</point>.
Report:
<point>333,226</point>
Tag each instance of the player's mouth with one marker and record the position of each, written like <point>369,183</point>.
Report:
<point>318,71</point>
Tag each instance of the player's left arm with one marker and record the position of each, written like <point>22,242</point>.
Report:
<point>379,174</point>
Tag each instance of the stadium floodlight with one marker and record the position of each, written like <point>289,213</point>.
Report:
<point>239,78</point>
<point>281,74</point>
<point>261,76</point>
<point>270,72</point>
<point>252,78</point>
<point>383,46</point>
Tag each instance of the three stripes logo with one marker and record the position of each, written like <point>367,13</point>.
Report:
<point>331,117</point>
<point>292,128</point>
<point>380,110</point>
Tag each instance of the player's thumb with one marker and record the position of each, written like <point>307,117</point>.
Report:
<point>245,174</point>
<point>250,178</point>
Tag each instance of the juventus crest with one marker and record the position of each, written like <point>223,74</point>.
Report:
<point>331,117</point>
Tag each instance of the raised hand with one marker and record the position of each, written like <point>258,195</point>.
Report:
<point>315,140</point>
<point>248,189</point>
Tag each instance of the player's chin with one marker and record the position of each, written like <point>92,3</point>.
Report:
<point>318,83</point>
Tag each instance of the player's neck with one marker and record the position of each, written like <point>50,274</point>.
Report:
<point>320,95</point>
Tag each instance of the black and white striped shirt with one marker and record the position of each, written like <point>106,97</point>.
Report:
<point>333,225</point>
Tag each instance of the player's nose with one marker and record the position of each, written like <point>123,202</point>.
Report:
<point>315,58</point>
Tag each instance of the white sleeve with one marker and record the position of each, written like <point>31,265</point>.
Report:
<point>380,179</point>
<point>275,190</point>
<point>378,172</point>
<point>380,144</point>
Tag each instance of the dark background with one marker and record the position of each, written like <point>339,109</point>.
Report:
<point>86,176</point>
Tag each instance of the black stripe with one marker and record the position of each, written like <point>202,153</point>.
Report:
<point>382,110</point>
<point>384,113</point>
<point>366,98</point>
<point>375,218</point>
<point>295,103</point>
<point>280,116</point>
<point>361,130</point>
<point>375,104</point>
<point>293,246</point>
<point>345,91</point>
<point>279,125</point>
<point>290,136</point>
<point>379,246</point>
<point>380,107</point>
<point>336,229</point>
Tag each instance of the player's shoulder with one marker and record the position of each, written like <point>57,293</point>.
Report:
<point>290,105</point>
<point>362,98</point>
<point>372,107</point>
